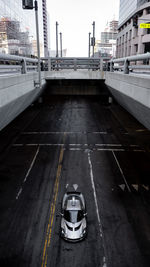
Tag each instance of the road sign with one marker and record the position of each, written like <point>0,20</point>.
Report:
<point>27,4</point>
<point>145,25</point>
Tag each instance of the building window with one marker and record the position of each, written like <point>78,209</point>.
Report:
<point>148,30</point>
<point>136,32</point>
<point>147,47</point>
<point>136,48</point>
<point>148,10</point>
<point>130,34</point>
<point>140,13</point>
<point>129,53</point>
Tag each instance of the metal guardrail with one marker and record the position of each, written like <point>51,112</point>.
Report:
<point>128,63</point>
<point>10,64</point>
<point>56,63</point>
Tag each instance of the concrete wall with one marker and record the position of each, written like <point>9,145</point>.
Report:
<point>133,93</point>
<point>17,92</point>
<point>71,74</point>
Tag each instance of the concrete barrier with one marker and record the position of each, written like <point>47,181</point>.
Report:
<point>132,92</point>
<point>17,92</point>
<point>78,74</point>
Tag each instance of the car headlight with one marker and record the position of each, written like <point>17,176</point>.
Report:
<point>84,231</point>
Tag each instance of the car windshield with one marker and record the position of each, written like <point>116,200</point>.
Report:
<point>73,216</point>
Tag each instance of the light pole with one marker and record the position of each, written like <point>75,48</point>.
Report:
<point>28,4</point>
<point>60,44</point>
<point>38,41</point>
<point>93,42</point>
<point>57,39</point>
<point>89,43</point>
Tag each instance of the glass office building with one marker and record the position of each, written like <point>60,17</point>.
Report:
<point>131,38</point>
<point>128,7</point>
<point>17,29</point>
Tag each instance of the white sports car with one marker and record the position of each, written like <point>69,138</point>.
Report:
<point>73,217</point>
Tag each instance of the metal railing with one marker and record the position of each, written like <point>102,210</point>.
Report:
<point>10,64</point>
<point>55,63</point>
<point>138,63</point>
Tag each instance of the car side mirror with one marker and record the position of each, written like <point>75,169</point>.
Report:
<point>85,214</point>
<point>61,214</point>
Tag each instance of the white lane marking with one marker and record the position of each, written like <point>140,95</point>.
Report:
<point>97,149</point>
<point>63,133</point>
<point>77,144</point>
<point>75,186</point>
<point>75,149</point>
<point>108,145</point>
<point>19,193</point>
<point>139,150</point>
<point>121,171</point>
<point>96,205</point>
<point>110,149</point>
<point>82,145</point>
<point>28,172</point>
<point>31,165</point>
<point>135,186</point>
<point>145,187</point>
<point>99,132</point>
<point>34,144</point>
<point>122,186</point>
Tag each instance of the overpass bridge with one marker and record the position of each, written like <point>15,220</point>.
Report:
<point>19,82</point>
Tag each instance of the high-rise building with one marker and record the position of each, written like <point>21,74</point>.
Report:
<point>132,39</point>
<point>44,9</point>
<point>128,7</point>
<point>113,25</point>
<point>107,45</point>
<point>17,28</point>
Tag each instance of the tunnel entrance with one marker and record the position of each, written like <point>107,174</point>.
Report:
<point>76,87</point>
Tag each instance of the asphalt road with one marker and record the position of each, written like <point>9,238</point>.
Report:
<point>75,140</point>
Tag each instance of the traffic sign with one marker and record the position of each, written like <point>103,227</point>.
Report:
<point>144,25</point>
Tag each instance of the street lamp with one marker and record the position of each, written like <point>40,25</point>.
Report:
<point>28,4</point>
<point>57,39</point>
<point>89,43</point>
<point>93,39</point>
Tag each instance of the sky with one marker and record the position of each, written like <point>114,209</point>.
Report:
<point>75,18</point>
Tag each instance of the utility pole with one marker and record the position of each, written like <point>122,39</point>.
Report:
<point>28,4</point>
<point>89,43</point>
<point>57,39</point>
<point>38,41</point>
<point>60,44</point>
<point>93,42</point>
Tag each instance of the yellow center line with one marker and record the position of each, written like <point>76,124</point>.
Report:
<point>52,209</point>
